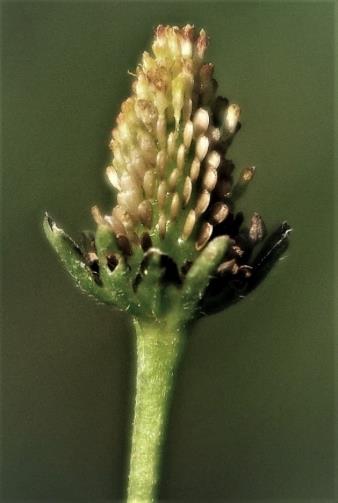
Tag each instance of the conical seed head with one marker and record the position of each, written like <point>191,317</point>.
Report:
<point>175,191</point>
<point>165,153</point>
<point>169,148</point>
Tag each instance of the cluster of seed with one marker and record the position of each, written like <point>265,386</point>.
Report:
<point>169,145</point>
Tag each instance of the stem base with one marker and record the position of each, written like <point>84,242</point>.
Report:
<point>159,348</point>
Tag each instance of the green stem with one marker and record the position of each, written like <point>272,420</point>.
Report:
<point>159,347</point>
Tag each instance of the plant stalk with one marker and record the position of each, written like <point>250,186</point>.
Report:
<point>159,347</point>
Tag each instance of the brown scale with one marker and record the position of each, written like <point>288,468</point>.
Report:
<point>146,241</point>
<point>88,253</point>
<point>112,262</point>
<point>207,85</point>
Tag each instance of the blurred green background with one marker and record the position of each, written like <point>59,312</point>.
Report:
<point>253,415</point>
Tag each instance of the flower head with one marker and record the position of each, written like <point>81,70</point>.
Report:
<point>174,239</point>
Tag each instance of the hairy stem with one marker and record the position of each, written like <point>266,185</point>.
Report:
<point>159,347</point>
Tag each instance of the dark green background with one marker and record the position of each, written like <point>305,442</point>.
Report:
<point>253,412</point>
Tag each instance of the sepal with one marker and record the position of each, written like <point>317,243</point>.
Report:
<point>202,271</point>
<point>74,261</point>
